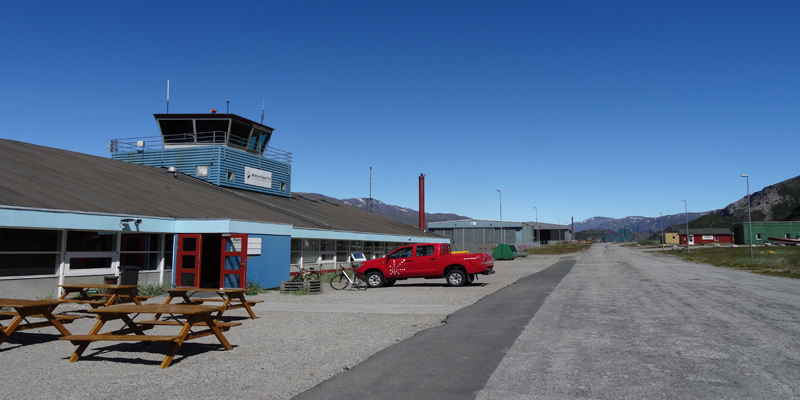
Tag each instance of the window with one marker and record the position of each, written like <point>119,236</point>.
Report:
<point>758,236</point>
<point>169,245</point>
<point>787,236</point>
<point>283,186</point>
<point>29,252</point>
<point>296,250</point>
<point>423,251</point>
<point>91,251</point>
<point>310,251</point>
<point>403,252</point>
<point>140,250</point>
<point>202,171</point>
<point>342,251</point>
<point>230,175</point>
<point>327,251</point>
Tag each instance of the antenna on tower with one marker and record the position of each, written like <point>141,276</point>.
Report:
<point>167,96</point>
<point>227,107</point>
<point>262,111</point>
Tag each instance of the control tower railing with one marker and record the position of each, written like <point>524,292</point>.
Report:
<point>218,138</point>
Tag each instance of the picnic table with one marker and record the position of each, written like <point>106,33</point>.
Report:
<point>193,316</point>
<point>112,295</point>
<point>24,309</point>
<point>231,298</point>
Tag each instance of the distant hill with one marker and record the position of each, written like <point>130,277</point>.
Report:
<point>407,216</point>
<point>635,223</point>
<point>778,202</point>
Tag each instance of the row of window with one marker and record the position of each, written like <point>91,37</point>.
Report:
<point>42,252</point>
<point>323,251</point>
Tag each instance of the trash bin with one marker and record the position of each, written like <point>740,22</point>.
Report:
<point>109,280</point>
<point>129,275</point>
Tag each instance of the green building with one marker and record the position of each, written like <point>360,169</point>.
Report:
<point>764,230</point>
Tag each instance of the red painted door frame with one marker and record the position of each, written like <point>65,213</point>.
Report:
<point>182,252</point>
<point>234,246</point>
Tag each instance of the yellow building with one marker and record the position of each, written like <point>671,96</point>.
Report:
<point>671,238</point>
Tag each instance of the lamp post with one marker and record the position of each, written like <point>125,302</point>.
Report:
<point>686,213</point>
<point>501,215</point>
<point>749,221</point>
<point>661,222</point>
<point>537,225</point>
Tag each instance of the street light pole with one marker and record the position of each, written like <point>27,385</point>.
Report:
<point>537,225</point>
<point>686,213</point>
<point>661,221</point>
<point>501,216</point>
<point>749,220</point>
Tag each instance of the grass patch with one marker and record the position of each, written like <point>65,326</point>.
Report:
<point>558,249</point>
<point>779,261</point>
<point>153,289</point>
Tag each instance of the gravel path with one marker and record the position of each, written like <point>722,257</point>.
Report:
<point>296,343</point>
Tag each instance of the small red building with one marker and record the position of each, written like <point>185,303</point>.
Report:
<point>707,235</point>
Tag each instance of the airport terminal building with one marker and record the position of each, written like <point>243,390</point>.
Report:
<point>206,203</point>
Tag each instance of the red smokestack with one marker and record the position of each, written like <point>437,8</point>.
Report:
<point>422,201</point>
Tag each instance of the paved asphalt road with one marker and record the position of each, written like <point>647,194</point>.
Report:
<point>620,323</point>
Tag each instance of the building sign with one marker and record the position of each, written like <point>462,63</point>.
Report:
<point>708,237</point>
<point>257,177</point>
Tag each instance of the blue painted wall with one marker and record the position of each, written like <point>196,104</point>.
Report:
<point>220,160</point>
<point>272,266</point>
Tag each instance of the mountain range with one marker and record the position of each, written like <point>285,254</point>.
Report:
<point>405,215</point>
<point>778,202</point>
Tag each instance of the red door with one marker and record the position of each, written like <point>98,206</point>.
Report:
<point>400,263</point>
<point>233,271</point>
<point>426,262</point>
<point>187,263</point>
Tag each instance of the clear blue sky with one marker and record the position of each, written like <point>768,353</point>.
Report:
<point>579,108</point>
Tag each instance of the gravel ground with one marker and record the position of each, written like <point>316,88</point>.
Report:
<point>296,343</point>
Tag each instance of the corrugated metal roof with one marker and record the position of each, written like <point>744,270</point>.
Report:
<point>43,177</point>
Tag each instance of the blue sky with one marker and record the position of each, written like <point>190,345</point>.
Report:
<point>577,108</point>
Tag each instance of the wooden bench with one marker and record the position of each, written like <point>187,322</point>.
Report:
<point>225,326</point>
<point>76,339</point>
<point>122,299</point>
<point>233,301</point>
<point>65,319</point>
<point>84,301</point>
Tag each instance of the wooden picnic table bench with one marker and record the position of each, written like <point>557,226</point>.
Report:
<point>24,309</point>
<point>231,298</point>
<point>117,293</point>
<point>191,314</point>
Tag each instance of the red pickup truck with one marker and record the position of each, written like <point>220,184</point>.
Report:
<point>429,261</point>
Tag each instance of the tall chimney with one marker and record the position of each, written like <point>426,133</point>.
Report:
<point>422,201</point>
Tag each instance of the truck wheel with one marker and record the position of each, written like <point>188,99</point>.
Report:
<point>375,279</point>
<point>456,277</point>
<point>389,282</point>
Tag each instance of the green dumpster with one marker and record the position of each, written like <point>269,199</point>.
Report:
<point>504,252</point>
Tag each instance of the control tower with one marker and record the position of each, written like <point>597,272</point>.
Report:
<point>223,149</point>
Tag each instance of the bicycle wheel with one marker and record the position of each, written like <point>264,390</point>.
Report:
<point>339,282</point>
<point>360,282</point>
<point>313,276</point>
<point>298,277</point>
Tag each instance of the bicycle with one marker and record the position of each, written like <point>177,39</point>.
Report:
<point>342,280</point>
<point>305,275</point>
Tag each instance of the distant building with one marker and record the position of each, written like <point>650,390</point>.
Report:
<point>671,238</point>
<point>481,236</point>
<point>706,235</point>
<point>614,237</point>
<point>762,231</point>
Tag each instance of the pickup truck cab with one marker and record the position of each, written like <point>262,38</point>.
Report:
<point>429,261</point>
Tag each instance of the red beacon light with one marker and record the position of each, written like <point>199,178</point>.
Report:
<point>213,111</point>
